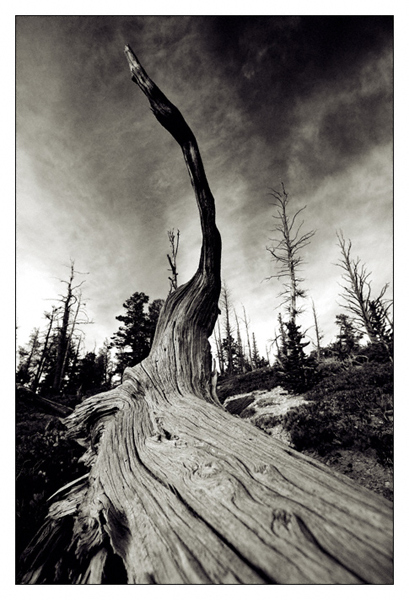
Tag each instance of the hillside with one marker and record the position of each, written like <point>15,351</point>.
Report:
<point>360,448</point>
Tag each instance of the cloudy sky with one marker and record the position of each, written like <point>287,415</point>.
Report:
<point>302,100</point>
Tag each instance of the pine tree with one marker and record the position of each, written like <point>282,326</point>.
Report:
<point>297,370</point>
<point>348,338</point>
<point>228,343</point>
<point>241,362</point>
<point>105,359</point>
<point>29,358</point>
<point>134,338</point>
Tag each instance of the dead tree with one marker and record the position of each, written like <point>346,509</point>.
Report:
<point>64,337</point>
<point>318,335</point>
<point>371,315</point>
<point>50,316</point>
<point>246,325</point>
<point>228,341</point>
<point>219,347</point>
<point>285,251</point>
<point>174,247</point>
<point>181,491</point>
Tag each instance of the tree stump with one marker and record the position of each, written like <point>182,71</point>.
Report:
<point>181,491</point>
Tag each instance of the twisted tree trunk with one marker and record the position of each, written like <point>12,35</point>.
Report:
<point>181,491</point>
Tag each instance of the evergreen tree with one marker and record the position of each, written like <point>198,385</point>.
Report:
<point>348,338</point>
<point>228,344</point>
<point>153,315</point>
<point>257,360</point>
<point>28,359</point>
<point>134,338</point>
<point>255,356</point>
<point>383,328</point>
<point>90,373</point>
<point>296,369</point>
<point>105,359</point>
<point>241,361</point>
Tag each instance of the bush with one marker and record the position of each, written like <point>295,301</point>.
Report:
<point>260,379</point>
<point>349,409</point>
<point>45,461</point>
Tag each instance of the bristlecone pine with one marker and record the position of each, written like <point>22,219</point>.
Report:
<point>181,491</point>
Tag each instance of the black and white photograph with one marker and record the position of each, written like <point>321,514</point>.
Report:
<point>204,299</point>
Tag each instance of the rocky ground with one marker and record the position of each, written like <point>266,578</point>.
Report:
<point>265,408</point>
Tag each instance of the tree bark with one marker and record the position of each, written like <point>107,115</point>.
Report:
<point>181,491</point>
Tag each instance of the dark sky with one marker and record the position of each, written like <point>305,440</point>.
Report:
<point>302,100</point>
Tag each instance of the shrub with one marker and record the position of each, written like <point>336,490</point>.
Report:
<point>260,379</point>
<point>45,461</point>
<point>350,409</point>
<point>268,421</point>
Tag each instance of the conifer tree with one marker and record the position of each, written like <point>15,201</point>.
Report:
<point>228,340</point>
<point>348,338</point>
<point>240,350</point>
<point>297,370</point>
<point>255,356</point>
<point>134,338</point>
<point>29,358</point>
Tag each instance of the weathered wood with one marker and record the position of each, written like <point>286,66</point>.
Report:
<point>181,491</point>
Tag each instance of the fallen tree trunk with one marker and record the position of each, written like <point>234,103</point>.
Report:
<point>181,491</point>
<point>47,406</point>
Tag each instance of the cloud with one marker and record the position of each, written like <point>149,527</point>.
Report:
<point>300,100</point>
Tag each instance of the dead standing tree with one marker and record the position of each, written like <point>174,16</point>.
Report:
<point>174,247</point>
<point>286,252</point>
<point>66,330</point>
<point>179,490</point>
<point>370,314</point>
